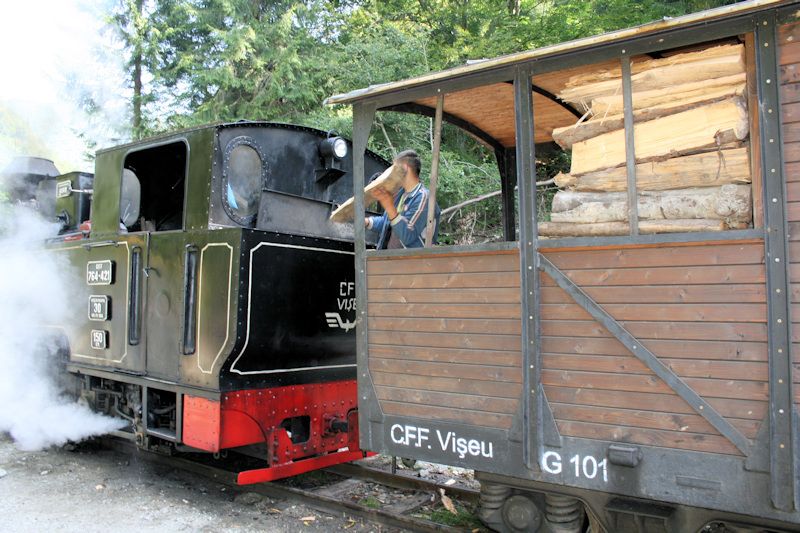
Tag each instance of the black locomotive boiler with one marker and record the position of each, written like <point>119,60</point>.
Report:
<point>216,303</point>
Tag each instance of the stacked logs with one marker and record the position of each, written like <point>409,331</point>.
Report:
<point>691,142</point>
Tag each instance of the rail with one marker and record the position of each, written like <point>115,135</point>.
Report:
<point>313,498</point>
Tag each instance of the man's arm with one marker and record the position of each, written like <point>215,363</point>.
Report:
<point>375,223</point>
<point>386,200</point>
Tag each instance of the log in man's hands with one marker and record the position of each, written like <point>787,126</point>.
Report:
<point>386,199</point>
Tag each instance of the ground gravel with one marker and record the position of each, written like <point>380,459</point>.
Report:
<point>91,489</point>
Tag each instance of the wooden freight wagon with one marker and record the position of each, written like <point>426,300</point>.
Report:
<point>628,363</point>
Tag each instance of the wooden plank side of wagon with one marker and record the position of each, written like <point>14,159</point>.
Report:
<point>700,309</point>
<point>700,275</point>
<point>444,336</point>
<point>653,401</point>
<point>684,423</point>
<point>670,294</point>
<point>789,60</point>
<point>730,351</point>
<point>701,331</point>
<point>650,437</point>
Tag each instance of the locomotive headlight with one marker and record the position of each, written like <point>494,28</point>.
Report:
<point>332,151</point>
<point>333,147</point>
<point>339,147</point>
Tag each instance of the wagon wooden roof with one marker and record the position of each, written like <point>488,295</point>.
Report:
<point>490,108</point>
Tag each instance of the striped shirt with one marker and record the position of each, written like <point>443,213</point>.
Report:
<point>407,229</point>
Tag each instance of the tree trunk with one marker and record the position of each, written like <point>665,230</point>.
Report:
<point>553,229</point>
<point>690,131</point>
<point>137,95</point>
<point>708,169</point>
<point>729,203</point>
<point>137,71</point>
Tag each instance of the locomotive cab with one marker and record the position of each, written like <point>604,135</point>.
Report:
<point>220,299</point>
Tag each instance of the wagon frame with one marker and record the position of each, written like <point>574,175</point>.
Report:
<point>653,483</point>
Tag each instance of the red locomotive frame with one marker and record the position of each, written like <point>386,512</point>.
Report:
<point>254,416</point>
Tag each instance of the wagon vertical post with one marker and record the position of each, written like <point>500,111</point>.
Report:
<point>630,146</point>
<point>782,417</point>
<point>363,115</point>
<point>529,277</point>
<point>437,145</point>
<point>508,179</point>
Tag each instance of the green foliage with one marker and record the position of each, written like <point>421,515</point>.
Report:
<point>550,160</point>
<point>233,59</point>
<point>464,518</point>
<point>212,60</point>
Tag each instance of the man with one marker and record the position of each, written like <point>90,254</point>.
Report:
<point>405,217</point>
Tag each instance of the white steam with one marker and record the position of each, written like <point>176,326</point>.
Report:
<point>63,92</point>
<point>34,292</point>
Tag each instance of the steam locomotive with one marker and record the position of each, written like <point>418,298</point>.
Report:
<point>215,302</point>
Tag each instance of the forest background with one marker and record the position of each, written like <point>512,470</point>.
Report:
<point>191,62</point>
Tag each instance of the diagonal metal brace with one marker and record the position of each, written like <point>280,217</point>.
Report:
<point>647,357</point>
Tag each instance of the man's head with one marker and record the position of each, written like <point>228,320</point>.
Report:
<point>409,160</point>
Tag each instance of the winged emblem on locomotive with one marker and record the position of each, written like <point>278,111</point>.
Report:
<point>335,321</point>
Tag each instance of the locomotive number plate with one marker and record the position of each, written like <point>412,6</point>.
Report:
<point>99,339</point>
<point>100,272</point>
<point>98,307</point>
<point>63,189</point>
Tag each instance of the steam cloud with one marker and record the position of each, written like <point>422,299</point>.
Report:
<point>56,86</point>
<point>34,292</point>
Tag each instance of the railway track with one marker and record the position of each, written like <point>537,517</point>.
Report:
<point>331,495</point>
